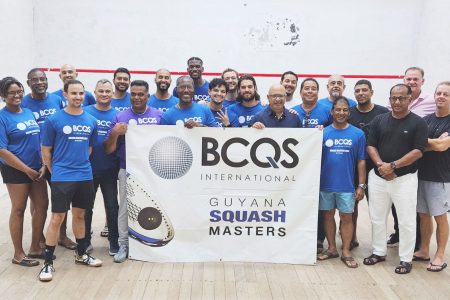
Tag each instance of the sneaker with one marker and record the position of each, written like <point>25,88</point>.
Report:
<point>46,273</point>
<point>122,254</point>
<point>105,231</point>
<point>393,240</point>
<point>113,248</point>
<point>87,260</point>
<point>89,249</point>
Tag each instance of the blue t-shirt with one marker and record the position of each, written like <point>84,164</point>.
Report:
<point>122,103</point>
<point>151,116</point>
<point>70,136</point>
<point>89,99</point>
<point>198,112</point>
<point>319,115</point>
<point>227,103</point>
<point>200,93</point>
<point>341,149</point>
<point>19,134</point>
<point>329,104</point>
<point>162,105</point>
<point>43,108</point>
<point>101,161</point>
<point>242,115</point>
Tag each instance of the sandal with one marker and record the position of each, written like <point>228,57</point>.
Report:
<point>68,243</point>
<point>319,247</point>
<point>373,259</point>
<point>25,262</point>
<point>436,268</point>
<point>39,255</point>
<point>327,255</point>
<point>403,268</point>
<point>420,258</point>
<point>349,261</point>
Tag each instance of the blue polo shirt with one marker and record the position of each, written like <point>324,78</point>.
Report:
<point>269,119</point>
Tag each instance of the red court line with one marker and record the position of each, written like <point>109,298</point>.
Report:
<point>143,72</point>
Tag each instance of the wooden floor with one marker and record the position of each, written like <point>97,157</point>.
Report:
<point>230,280</point>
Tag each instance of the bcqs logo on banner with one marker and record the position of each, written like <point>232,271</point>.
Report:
<point>170,157</point>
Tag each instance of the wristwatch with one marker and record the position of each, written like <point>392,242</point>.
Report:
<point>363,186</point>
<point>393,165</point>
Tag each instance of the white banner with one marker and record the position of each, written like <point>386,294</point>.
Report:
<point>214,194</point>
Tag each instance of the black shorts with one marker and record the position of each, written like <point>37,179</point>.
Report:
<point>14,176</point>
<point>79,193</point>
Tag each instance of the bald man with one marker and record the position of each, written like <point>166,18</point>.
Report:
<point>68,72</point>
<point>162,99</point>
<point>336,88</point>
<point>276,114</point>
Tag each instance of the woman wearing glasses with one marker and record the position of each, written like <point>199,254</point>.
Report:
<point>21,168</point>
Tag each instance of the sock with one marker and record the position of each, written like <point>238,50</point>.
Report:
<point>48,253</point>
<point>81,246</point>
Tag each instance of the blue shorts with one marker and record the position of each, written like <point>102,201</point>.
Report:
<point>344,202</point>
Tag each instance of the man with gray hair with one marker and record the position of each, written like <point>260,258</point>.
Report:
<point>336,88</point>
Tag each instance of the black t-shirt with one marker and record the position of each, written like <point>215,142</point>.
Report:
<point>362,121</point>
<point>394,138</point>
<point>435,165</point>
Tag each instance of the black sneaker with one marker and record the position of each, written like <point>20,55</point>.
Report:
<point>393,240</point>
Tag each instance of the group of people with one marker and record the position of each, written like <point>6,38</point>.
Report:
<point>75,141</point>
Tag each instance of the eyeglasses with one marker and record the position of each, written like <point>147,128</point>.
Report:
<point>277,96</point>
<point>13,94</point>
<point>399,98</point>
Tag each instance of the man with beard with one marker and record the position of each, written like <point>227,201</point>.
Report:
<point>162,99</point>
<point>121,98</point>
<point>289,80</point>
<point>396,141</point>
<point>105,167</point>
<point>66,73</point>
<point>248,102</point>
<point>360,116</point>
<point>231,78</point>
<point>139,114</point>
<point>188,112</point>
<point>217,91</point>
<point>195,70</point>
<point>335,87</point>
<point>275,115</point>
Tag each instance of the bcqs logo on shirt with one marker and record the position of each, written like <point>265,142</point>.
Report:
<point>23,125</point>
<point>76,128</point>
<point>170,157</point>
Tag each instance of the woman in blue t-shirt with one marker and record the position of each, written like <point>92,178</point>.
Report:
<point>22,170</point>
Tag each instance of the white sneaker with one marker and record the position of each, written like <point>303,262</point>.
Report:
<point>46,273</point>
<point>122,254</point>
<point>87,260</point>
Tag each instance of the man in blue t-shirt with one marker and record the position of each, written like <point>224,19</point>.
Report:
<point>231,77</point>
<point>44,105</point>
<point>343,150</point>
<point>335,87</point>
<point>139,114</point>
<point>121,99</point>
<point>217,91</point>
<point>248,102</point>
<point>105,167</point>
<point>67,142</point>
<point>310,112</point>
<point>188,112</point>
<point>66,73</point>
<point>162,99</point>
<point>195,70</point>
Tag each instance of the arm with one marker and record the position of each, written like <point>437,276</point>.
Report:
<point>47,157</point>
<point>359,192</point>
<point>442,143</point>
<point>110,144</point>
<point>16,163</point>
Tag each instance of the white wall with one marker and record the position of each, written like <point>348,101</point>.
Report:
<point>355,37</point>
